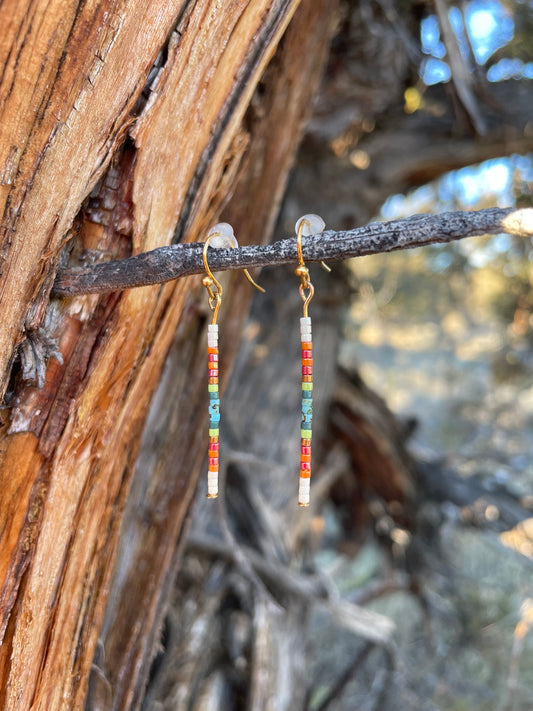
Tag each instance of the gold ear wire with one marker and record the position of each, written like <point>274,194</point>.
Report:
<point>215,295</point>
<point>304,222</point>
<point>252,282</point>
<point>302,271</point>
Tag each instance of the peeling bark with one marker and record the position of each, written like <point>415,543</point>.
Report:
<point>120,141</point>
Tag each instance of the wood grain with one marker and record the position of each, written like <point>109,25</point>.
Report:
<point>72,75</point>
<point>72,113</point>
<point>154,518</point>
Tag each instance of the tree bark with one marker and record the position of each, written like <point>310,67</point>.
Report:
<point>124,125</point>
<point>168,263</point>
<point>127,125</point>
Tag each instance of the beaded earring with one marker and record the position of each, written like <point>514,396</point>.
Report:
<point>306,226</point>
<point>220,236</point>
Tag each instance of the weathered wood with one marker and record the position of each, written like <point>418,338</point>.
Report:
<point>71,75</point>
<point>381,466</point>
<point>153,521</point>
<point>71,86</point>
<point>173,262</point>
<point>367,143</point>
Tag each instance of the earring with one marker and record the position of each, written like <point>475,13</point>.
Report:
<point>220,236</point>
<point>306,226</point>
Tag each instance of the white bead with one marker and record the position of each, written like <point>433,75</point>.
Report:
<point>313,225</point>
<point>224,237</point>
<point>212,483</point>
<point>212,328</point>
<point>304,492</point>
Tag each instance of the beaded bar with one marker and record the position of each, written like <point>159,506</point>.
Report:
<point>214,410</point>
<point>307,411</point>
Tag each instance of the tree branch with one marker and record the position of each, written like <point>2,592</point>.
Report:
<point>179,260</point>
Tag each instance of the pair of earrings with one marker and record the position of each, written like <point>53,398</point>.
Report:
<point>221,237</point>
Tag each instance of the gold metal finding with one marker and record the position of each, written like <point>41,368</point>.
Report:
<point>213,286</point>
<point>299,243</point>
<point>252,282</point>
<point>303,272</point>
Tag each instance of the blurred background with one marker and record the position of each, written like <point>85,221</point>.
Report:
<point>407,584</point>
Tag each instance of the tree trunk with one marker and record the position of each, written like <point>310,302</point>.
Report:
<point>125,125</point>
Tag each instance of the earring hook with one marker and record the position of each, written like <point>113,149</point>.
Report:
<point>301,270</point>
<point>214,294</point>
<point>223,232</point>
<point>310,225</point>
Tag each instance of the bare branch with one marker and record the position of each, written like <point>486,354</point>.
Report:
<point>461,73</point>
<point>179,260</point>
<point>367,624</point>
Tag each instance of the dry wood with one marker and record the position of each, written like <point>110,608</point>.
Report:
<point>157,505</point>
<point>125,125</point>
<point>462,74</point>
<point>68,456</point>
<point>364,623</point>
<point>364,142</point>
<point>72,74</point>
<point>168,263</point>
